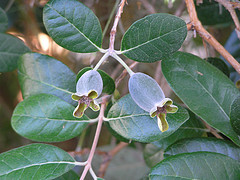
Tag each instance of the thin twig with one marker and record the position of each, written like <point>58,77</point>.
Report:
<point>9,5</point>
<point>109,157</point>
<point>110,17</point>
<point>114,28</point>
<point>213,131</point>
<point>233,13</point>
<point>124,73</point>
<point>95,141</point>
<point>196,24</point>
<point>180,9</point>
<point>148,6</point>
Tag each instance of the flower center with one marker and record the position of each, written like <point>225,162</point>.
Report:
<point>161,110</point>
<point>85,100</point>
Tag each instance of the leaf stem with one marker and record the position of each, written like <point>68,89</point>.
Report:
<point>115,56</point>
<point>95,141</point>
<point>105,56</point>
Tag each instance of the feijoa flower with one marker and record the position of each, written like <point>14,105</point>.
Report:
<point>148,95</point>
<point>88,88</point>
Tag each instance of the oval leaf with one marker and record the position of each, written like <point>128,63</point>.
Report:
<point>204,144</point>
<point>39,73</point>
<point>154,37</point>
<point>108,82</point>
<point>203,88</point>
<point>198,165</point>
<point>131,122</point>
<point>72,25</point>
<point>35,161</point>
<point>235,115</point>
<point>70,175</point>
<point>11,48</point>
<point>3,21</point>
<point>47,118</point>
<point>153,153</point>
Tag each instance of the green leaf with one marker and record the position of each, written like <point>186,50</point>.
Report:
<point>203,88</point>
<point>154,37</point>
<point>220,64</point>
<point>131,122</point>
<point>70,175</point>
<point>209,13</point>
<point>235,115</point>
<point>197,165</point>
<point>204,144</point>
<point>72,25</point>
<point>45,117</point>
<point>3,21</point>
<point>43,74</point>
<point>11,48</point>
<point>153,153</point>
<point>108,82</point>
<point>35,161</point>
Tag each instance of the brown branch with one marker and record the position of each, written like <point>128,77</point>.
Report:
<point>109,157</point>
<point>196,24</point>
<point>212,130</point>
<point>229,6</point>
<point>114,28</point>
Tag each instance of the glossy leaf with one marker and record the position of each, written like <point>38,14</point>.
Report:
<point>197,165</point>
<point>47,118</point>
<point>220,64</point>
<point>154,152</point>
<point>43,74</point>
<point>203,88</point>
<point>154,37</point>
<point>70,175</point>
<point>72,25</point>
<point>3,20</point>
<point>133,123</point>
<point>108,82</point>
<point>209,13</point>
<point>11,48</point>
<point>235,115</point>
<point>35,161</point>
<point>204,144</point>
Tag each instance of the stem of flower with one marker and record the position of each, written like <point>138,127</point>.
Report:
<point>105,56</point>
<point>115,56</point>
<point>95,141</point>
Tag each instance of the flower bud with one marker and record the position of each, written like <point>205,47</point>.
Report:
<point>148,95</point>
<point>88,88</point>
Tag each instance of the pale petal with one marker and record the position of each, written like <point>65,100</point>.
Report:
<point>88,82</point>
<point>94,106</point>
<point>162,122</point>
<point>145,91</point>
<point>79,110</point>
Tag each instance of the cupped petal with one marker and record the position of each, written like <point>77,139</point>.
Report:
<point>145,91</point>
<point>76,97</point>
<point>90,81</point>
<point>79,110</point>
<point>94,106</point>
<point>171,109</point>
<point>162,122</point>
